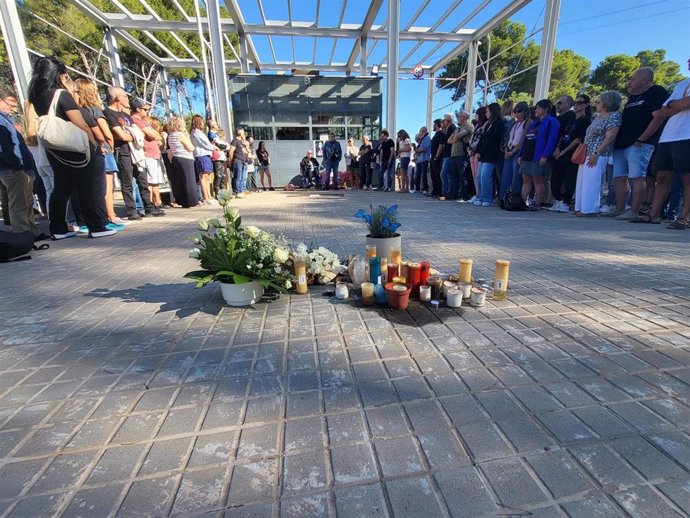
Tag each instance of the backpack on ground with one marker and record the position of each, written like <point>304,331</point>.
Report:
<point>14,246</point>
<point>513,201</point>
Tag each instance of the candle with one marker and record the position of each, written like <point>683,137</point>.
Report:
<point>448,285</point>
<point>396,255</point>
<point>425,293</point>
<point>454,298</point>
<point>466,288</point>
<point>404,270</point>
<point>367,290</point>
<point>341,291</point>
<point>384,271</point>
<point>375,270</point>
<point>393,271</point>
<point>501,280</point>
<point>399,280</point>
<point>424,275</point>
<point>301,274</point>
<point>414,271</point>
<point>371,251</point>
<point>478,297</point>
<point>465,270</point>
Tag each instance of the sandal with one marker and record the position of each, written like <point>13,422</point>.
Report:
<point>679,224</point>
<point>644,218</point>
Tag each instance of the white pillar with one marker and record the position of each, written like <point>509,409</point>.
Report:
<point>207,77</point>
<point>471,75</point>
<point>363,56</point>
<point>114,58</point>
<point>16,48</point>
<point>218,57</point>
<point>548,44</point>
<point>165,89</point>
<point>244,54</point>
<point>393,49</point>
<point>430,84</point>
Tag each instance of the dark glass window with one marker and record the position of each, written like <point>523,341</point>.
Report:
<point>292,133</point>
<point>259,132</point>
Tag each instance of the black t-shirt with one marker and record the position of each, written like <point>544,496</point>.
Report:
<point>578,129</point>
<point>637,115</point>
<point>387,150</point>
<point>365,157</point>
<point>448,147</point>
<point>118,119</point>
<point>565,121</point>
<point>439,139</point>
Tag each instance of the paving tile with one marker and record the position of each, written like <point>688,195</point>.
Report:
<point>252,482</point>
<point>312,506</point>
<point>411,497</point>
<point>605,467</point>
<point>484,442</point>
<point>148,497</point>
<point>199,491</point>
<point>353,463</point>
<point>397,456</point>
<point>512,483</point>
<point>594,506</point>
<point>116,464</point>
<point>465,493</point>
<point>258,441</point>
<point>559,473</point>
<point>91,503</point>
<point>362,501</point>
<point>346,428</point>
<point>643,501</point>
<point>443,450</point>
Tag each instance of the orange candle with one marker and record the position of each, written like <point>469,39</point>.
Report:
<point>371,251</point>
<point>396,256</point>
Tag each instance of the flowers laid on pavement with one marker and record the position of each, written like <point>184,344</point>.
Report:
<point>382,220</point>
<point>236,254</point>
<point>321,263</point>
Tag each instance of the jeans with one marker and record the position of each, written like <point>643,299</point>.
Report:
<point>331,166</point>
<point>674,203</point>
<point>486,182</point>
<point>509,176</point>
<point>421,181</point>
<point>138,202</point>
<point>219,176</point>
<point>451,178</point>
<point>240,169</point>
<point>404,165</point>
<point>387,182</point>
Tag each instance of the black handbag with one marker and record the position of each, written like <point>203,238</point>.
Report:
<point>513,201</point>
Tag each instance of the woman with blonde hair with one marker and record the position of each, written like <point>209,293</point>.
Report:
<point>181,155</point>
<point>89,99</point>
<point>203,165</point>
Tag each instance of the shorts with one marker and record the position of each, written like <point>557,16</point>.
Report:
<point>154,173</point>
<point>110,163</point>
<point>203,164</point>
<point>673,156</point>
<point>632,161</point>
<point>533,169</point>
<point>264,168</point>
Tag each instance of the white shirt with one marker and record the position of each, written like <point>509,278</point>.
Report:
<point>405,154</point>
<point>678,127</point>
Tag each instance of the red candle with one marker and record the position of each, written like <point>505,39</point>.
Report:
<point>424,275</point>
<point>393,271</point>
<point>414,271</point>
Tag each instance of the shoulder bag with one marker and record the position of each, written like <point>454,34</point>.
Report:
<point>580,154</point>
<point>57,134</point>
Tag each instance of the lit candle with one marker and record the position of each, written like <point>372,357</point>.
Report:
<point>384,271</point>
<point>396,255</point>
<point>301,274</point>
<point>404,270</point>
<point>414,271</point>
<point>425,293</point>
<point>367,290</point>
<point>501,280</point>
<point>371,251</point>
<point>454,298</point>
<point>465,270</point>
<point>424,275</point>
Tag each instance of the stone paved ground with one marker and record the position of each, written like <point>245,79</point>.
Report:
<point>124,391</point>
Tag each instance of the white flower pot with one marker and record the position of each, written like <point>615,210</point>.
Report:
<point>242,294</point>
<point>384,245</point>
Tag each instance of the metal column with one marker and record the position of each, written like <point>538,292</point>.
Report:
<point>430,102</point>
<point>16,48</point>
<point>244,54</point>
<point>114,58</point>
<point>392,86</point>
<point>165,90</point>
<point>363,56</point>
<point>207,77</point>
<point>471,79</point>
<point>218,56</point>
<point>548,43</point>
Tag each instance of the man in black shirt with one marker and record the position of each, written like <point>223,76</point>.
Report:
<point>634,145</point>
<point>437,144</point>
<point>387,151</point>
<point>566,115</point>
<point>117,115</point>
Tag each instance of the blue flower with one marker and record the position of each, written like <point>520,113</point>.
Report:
<point>386,222</point>
<point>360,213</point>
<point>392,209</point>
<point>394,227</point>
<point>367,218</point>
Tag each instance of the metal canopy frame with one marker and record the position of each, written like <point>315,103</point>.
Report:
<point>364,36</point>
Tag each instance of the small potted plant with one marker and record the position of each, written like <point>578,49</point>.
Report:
<point>383,224</point>
<point>243,259</point>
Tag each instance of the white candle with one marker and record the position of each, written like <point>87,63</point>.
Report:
<point>341,291</point>
<point>478,297</point>
<point>367,290</point>
<point>425,293</point>
<point>466,288</point>
<point>454,298</point>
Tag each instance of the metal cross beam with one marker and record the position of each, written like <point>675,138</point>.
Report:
<point>236,14</point>
<point>368,23</point>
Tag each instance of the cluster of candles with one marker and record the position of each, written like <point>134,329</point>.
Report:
<point>430,290</point>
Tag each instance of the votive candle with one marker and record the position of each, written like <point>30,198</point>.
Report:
<point>371,251</point>
<point>425,293</point>
<point>396,255</point>
<point>367,290</point>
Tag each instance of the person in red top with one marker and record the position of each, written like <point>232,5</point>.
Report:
<point>152,151</point>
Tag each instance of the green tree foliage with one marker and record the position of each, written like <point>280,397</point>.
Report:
<point>614,71</point>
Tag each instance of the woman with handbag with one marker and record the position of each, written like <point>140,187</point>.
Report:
<point>564,176</point>
<point>73,153</point>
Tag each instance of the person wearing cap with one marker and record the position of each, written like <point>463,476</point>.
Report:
<point>152,139</point>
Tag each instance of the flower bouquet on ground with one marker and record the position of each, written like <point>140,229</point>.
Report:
<point>231,253</point>
<point>322,264</point>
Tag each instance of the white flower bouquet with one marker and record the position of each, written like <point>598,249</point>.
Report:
<point>322,264</point>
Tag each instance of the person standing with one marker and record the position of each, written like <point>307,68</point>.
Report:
<point>636,141</point>
<point>437,142</point>
<point>154,173</point>
<point>488,150</point>
<point>404,152</point>
<point>252,184</point>
<point>479,125</point>
<point>332,154</point>
<point>181,155</point>
<point>264,166</point>
<point>510,177</point>
<point>365,172</point>
<point>239,156</point>
<point>203,165</point>
<point>421,157</point>
<point>460,143</point>
<point>387,157</point>
<point>448,130</point>
<point>17,169</point>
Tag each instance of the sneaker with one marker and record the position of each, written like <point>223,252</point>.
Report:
<point>412,191</point>
<point>114,226</point>
<point>134,217</point>
<point>628,214</point>
<point>604,209</point>
<point>424,193</point>
<point>83,230</point>
<point>476,203</point>
<point>103,233</point>
<point>119,221</point>
<point>472,200</point>
<point>612,213</point>
<point>155,212</point>
<point>241,195</point>
<point>58,237</point>
<point>41,237</point>
<point>486,204</point>
<point>271,189</point>
<point>564,208</point>
<point>556,207</point>
<point>374,188</point>
<point>212,202</point>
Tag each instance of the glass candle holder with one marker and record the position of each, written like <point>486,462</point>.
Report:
<point>371,251</point>
<point>396,255</point>
<point>501,280</point>
<point>425,293</point>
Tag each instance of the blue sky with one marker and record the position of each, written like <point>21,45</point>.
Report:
<point>592,28</point>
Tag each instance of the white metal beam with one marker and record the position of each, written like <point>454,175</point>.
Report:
<point>165,89</point>
<point>16,48</point>
<point>236,15</point>
<point>430,102</point>
<point>114,58</point>
<point>548,43</point>
<point>471,75</point>
<point>392,73</point>
<point>368,22</point>
<point>207,76</point>
<point>224,115</point>
<point>138,46</point>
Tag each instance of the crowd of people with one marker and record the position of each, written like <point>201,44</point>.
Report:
<point>94,149</point>
<point>550,156</point>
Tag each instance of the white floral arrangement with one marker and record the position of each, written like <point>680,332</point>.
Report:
<point>322,264</point>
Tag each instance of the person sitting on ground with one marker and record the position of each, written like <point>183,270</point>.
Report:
<point>309,167</point>
<point>539,144</point>
<point>599,140</point>
<point>635,142</point>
